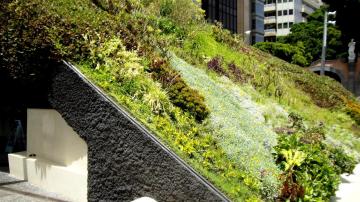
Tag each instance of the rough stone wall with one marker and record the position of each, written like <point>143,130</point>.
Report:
<point>125,162</point>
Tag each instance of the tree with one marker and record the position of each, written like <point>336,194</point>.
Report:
<point>295,54</point>
<point>311,34</point>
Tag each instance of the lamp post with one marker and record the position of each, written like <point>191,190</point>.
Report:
<point>247,37</point>
<point>323,52</point>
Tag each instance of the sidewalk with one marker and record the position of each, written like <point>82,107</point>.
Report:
<point>349,189</point>
<point>15,190</point>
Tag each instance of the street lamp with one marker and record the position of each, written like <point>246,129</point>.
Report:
<point>323,53</point>
<point>247,37</point>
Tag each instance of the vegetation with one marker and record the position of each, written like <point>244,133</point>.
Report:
<point>257,127</point>
<point>304,44</point>
<point>295,54</point>
<point>310,167</point>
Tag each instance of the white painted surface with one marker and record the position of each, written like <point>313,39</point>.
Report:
<point>298,7</point>
<point>17,165</point>
<point>59,143</point>
<point>144,199</point>
<point>60,164</point>
<point>349,189</point>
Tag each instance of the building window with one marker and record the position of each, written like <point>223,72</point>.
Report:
<point>291,11</point>
<point>279,1</point>
<point>285,25</point>
<point>290,24</point>
<point>290,0</point>
<point>285,12</point>
<point>279,13</point>
<point>284,1</point>
<point>279,26</point>
<point>223,11</point>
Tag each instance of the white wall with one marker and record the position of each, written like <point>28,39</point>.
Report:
<point>60,164</point>
<point>50,137</point>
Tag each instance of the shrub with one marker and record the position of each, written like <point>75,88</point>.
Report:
<point>353,109</point>
<point>291,53</point>
<point>311,168</point>
<point>179,92</point>
<point>238,74</point>
<point>312,176</point>
<point>182,12</point>
<point>215,64</point>
<point>343,163</point>
<point>168,27</point>
<point>224,36</point>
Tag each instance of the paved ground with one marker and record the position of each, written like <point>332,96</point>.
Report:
<point>349,190</point>
<point>13,190</point>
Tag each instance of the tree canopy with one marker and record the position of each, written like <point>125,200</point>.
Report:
<point>311,34</point>
<point>304,43</point>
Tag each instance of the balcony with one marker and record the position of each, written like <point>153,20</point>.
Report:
<point>314,4</point>
<point>306,9</point>
<point>270,20</point>
<point>270,32</point>
<point>269,7</point>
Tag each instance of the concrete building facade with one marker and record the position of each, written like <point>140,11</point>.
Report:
<point>238,16</point>
<point>280,15</point>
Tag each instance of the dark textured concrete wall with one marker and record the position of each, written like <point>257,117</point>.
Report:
<point>124,161</point>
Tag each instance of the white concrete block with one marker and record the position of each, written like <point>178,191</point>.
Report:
<point>17,165</point>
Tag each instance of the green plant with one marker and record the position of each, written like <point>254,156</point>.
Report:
<point>215,64</point>
<point>224,36</point>
<point>295,54</point>
<point>343,162</point>
<point>291,189</point>
<point>353,109</point>
<point>308,169</point>
<point>179,92</point>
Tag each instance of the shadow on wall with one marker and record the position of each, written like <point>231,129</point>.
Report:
<point>51,140</point>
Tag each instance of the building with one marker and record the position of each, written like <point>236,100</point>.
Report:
<point>280,15</point>
<point>238,16</point>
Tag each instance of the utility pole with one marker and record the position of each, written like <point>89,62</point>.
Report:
<point>323,53</point>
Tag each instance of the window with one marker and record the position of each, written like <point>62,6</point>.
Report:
<point>270,1</point>
<point>291,11</point>
<point>290,0</point>
<point>285,25</point>
<point>279,13</point>
<point>279,1</point>
<point>279,26</point>
<point>285,12</point>
<point>290,24</point>
<point>223,11</point>
<point>284,1</point>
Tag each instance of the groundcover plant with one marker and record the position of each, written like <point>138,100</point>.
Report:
<point>258,128</point>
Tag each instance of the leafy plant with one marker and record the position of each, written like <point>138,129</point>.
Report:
<point>215,64</point>
<point>343,162</point>
<point>295,54</point>
<point>179,92</point>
